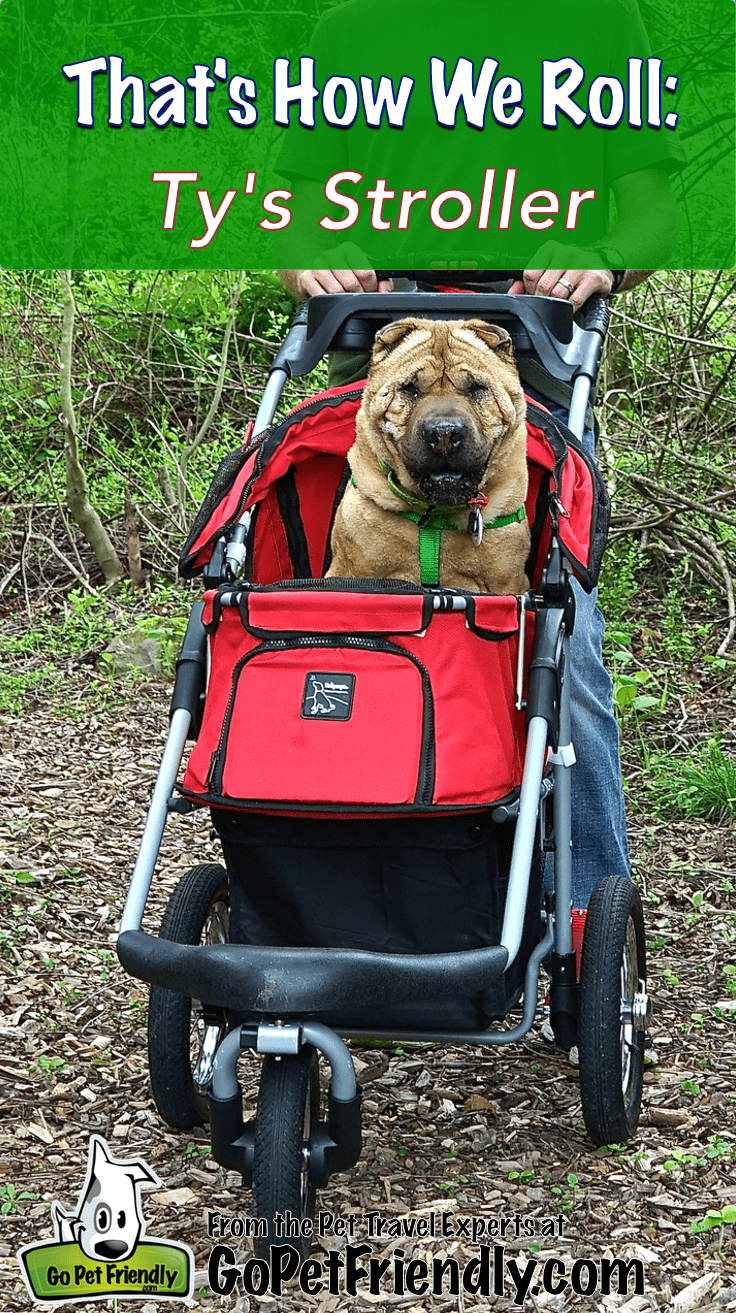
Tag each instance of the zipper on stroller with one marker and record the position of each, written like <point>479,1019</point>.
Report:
<point>426,771</point>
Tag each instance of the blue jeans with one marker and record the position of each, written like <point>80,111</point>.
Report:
<point>599,843</point>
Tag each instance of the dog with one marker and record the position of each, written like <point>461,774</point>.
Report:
<point>438,465</point>
<point>108,1220</point>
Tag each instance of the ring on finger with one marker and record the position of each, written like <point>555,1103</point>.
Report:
<point>565,282</point>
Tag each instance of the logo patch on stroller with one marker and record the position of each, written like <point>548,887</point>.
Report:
<point>328,695</point>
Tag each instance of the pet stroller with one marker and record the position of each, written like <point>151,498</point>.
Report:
<point>387,765</point>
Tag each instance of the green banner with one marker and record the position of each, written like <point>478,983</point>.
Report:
<point>389,133</point>
<point>56,1272</point>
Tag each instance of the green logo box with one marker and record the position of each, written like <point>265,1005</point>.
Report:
<point>56,1272</point>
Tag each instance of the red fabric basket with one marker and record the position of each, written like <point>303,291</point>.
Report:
<point>329,698</point>
<point>338,701</point>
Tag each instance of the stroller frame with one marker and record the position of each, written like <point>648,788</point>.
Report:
<point>220,975</point>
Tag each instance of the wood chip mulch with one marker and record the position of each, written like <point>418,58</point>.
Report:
<point>460,1130</point>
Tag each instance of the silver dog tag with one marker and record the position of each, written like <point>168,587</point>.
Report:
<point>475,526</point>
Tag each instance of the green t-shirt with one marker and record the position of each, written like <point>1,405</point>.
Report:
<point>395,38</point>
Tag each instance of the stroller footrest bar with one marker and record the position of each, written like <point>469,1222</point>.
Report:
<point>281,981</point>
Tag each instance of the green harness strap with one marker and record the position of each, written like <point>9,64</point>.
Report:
<point>431,526</point>
<point>432,523</point>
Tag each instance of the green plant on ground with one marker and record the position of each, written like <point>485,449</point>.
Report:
<point>627,688</point>
<point>704,785</point>
<point>721,1217</point>
<point>680,1160</point>
<point>564,1192</point>
<point>11,1197</point>
<point>719,1147</point>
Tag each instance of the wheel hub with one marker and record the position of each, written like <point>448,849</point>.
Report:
<point>637,1011</point>
<point>202,1074</point>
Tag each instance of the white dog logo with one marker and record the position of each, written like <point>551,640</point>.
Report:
<point>108,1221</point>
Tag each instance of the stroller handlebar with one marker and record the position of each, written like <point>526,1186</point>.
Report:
<point>595,312</point>
<point>540,326</point>
<point>451,277</point>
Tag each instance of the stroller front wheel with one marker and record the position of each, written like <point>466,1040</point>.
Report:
<point>182,1036</point>
<point>613,1012</point>
<point>288,1109</point>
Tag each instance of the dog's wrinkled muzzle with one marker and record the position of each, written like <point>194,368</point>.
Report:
<point>444,434</point>
<point>443,458</point>
<point>445,486</point>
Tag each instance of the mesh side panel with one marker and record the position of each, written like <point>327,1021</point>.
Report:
<point>225,476</point>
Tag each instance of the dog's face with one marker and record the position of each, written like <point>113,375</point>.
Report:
<point>440,399</point>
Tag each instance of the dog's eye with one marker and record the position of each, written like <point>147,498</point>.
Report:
<point>476,389</point>
<point>410,391</point>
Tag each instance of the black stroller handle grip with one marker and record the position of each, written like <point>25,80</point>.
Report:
<point>451,277</point>
<point>596,315</point>
<point>191,667</point>
<point>596,311</point>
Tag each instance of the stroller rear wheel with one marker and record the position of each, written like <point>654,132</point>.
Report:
<point>614,1010</point>
<point>288,1109</point>
<point>182,1037</point>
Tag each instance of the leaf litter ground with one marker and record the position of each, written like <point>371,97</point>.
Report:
<point>460,1130</point>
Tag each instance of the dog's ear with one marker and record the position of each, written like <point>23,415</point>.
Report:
<point>389,337</point>
<point>493,336</point>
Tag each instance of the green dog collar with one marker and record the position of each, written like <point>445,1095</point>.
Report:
<point>433,521</point>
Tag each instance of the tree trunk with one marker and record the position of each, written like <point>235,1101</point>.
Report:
<point>138,576</point>
<point>77,498</point>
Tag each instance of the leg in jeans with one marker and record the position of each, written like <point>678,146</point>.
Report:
<point>599,843</point>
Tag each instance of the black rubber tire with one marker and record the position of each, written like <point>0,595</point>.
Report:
<point>611,1053</point>
<point>288,1108</point>
<point>196,913</point>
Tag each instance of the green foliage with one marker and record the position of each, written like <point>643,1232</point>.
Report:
<point>147,351</point>
<point>703,785</point>
<point>720,1217</point>
<point>627,694</point>
<point>11,1197</point>
<point>30,662</point>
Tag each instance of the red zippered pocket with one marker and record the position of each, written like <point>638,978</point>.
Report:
<point>339,722</point>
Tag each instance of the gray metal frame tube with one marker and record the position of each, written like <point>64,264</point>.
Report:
<point>561,801</point>
<point>526,825</point>
<point>343,1085</point>
<point>579,405</point>
<point>342,1072</point>
<point>235,551</point>
<point>140,883</point>
<point>270,400</point>
<point>225,1066</point>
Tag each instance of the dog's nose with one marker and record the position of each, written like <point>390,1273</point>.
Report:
<point>444,433</point>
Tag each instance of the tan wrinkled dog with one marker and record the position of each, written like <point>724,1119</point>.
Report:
<point>441,436</point>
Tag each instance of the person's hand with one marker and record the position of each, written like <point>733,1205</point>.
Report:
<point>320,282</point>
<point>558,280</point>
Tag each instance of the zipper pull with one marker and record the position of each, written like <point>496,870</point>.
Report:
<point>214,767</point>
